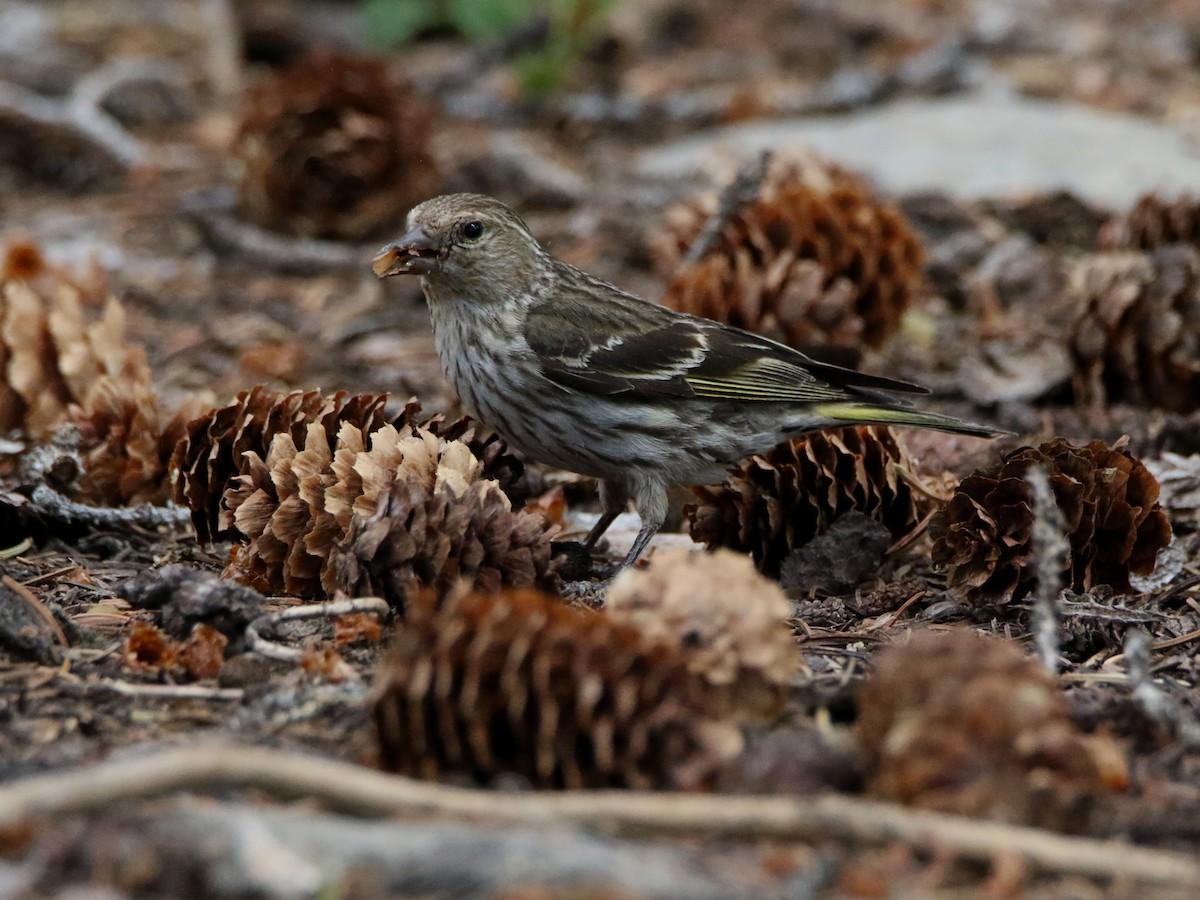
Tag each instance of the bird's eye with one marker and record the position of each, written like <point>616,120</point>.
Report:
<point>472,231</point>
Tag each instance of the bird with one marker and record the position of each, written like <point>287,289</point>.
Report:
<point>578,374</point>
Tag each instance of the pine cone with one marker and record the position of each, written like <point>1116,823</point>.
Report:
<point>1109,503</point>
<point>777,501</point>
<point>965,724</point>
<point>127,440</point>
<point>518,683</point>
<point>438,523</point>
<point>51,356</point>
<point>213,452</point>
<point>1137,338</point>
<point>729,620</point>
<point>1153,222</point>
<point>56,367</point>
<point>812,261</point>
<point>334,147</point>
<point>291,475</point>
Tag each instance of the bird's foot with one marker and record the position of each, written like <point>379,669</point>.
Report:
<point>586,593</point>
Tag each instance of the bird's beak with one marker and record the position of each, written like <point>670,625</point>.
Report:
<point>414,254</point>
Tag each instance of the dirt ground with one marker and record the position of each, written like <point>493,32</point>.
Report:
<point>120,164</point>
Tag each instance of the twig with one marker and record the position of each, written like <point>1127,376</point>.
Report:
<point>223,56</point>
<point>1049,548</point>
<point>742,190</point>
<point>82,116</point>
<point>272,650</point>
<point>1154,702</point>
<point>1176,641</point>
<point>366,792</point>
<point>295,255</point>
<point>49,503</point>
<point>85,106</point>
<point>162,691</point>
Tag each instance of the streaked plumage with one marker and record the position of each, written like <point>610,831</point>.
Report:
<point>578,374</point>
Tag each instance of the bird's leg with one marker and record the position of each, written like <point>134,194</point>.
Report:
<point>650,500</point>
<point>640,543</point>
<point>614,498</point>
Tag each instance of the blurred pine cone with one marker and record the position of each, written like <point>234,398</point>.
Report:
<point>518,683</point>
<point>52,357</point>
<point>729,621</point>
<point>813,261</point>
<point>1154,221</point>
<point>291,475</point>
<point>777,501</point>
<point>127,441</point>
<point>1137,337</point>
<point>1108,499</point>
<point>57,367</point>
<point>965,724</point>
<point>334,147</point>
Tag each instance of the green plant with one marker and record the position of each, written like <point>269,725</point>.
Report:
<point>565,30</point>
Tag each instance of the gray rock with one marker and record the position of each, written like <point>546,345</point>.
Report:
<point>966,146</point>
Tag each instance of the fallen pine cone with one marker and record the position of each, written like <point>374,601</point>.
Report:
<point>728,620</point>
<point>325,494</point>
<point>433,520</point>
<point>60,366</point>
<point>777,501</point>
<point>1137,335</point>
<point>51,356</point>
<point>517,683</point>
<point>213,452</point>
<point>333,147</point>
<point>982,536</point>
<point>813,261</point>
<point>970,725</point>
<point>1152,222</point>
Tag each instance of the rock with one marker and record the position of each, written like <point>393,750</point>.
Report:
<point>967,146</point>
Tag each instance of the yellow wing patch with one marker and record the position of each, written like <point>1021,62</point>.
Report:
<point>766,380</point>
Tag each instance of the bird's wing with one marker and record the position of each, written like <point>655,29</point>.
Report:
<point>624,346</point>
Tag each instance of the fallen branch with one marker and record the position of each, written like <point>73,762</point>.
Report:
<point>48,503</point>
<point>365,792</point>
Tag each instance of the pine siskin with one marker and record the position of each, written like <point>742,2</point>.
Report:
<point>580,375</point>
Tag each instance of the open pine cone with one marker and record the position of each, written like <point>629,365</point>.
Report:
<point>518,683</point>
<point>309,483</point>
<point>51,356</point>
<point>59,365</point>
<point>1137,336</point>
<point>213,452</point>
<point>730,621</point>
<point>814,260</point>
<point>1154,221</point>
<point>777,501</point>
<point>1108,499</point>
<point>428,516</point>
<point>334,147</point>
<point>127,441</point>
<point>965,724</point>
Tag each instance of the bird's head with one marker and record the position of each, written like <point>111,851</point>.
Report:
<point>473,244</point>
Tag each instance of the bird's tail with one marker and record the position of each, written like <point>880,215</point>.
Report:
<point>866,413</point>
